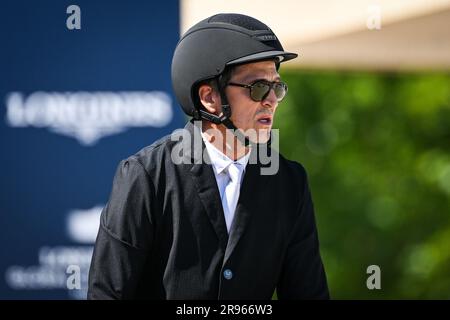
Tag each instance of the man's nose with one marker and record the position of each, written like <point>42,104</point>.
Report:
<point>271,100</point>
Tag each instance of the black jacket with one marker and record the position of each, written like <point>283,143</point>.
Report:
<point>163,235</point>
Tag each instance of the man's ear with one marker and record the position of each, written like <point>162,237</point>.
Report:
<point>209,98</point>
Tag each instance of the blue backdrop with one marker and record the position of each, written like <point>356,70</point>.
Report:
<point>73,103</point>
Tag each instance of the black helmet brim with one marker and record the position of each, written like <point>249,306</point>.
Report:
<point>265,55</point>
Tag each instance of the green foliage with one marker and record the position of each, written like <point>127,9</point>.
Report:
<point>377,150</point>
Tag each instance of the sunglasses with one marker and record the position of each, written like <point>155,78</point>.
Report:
<point>260,89</point>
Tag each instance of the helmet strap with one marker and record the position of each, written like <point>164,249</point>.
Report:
<point>225,120</point>
<point>226,111</point>
<point>225,117</point>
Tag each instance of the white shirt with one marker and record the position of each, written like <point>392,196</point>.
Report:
<point>220,163</point>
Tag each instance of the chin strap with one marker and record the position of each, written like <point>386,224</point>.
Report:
<point>224,118</point>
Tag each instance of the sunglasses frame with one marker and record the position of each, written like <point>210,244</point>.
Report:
<point>271,84</point>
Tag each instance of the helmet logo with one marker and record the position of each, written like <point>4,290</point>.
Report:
<point>266,37</point>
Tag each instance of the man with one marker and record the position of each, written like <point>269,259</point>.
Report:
<point>189,220</point>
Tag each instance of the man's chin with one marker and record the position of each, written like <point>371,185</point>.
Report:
<point>258,135</point>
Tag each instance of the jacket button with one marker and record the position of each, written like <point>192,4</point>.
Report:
<point>228,274</point>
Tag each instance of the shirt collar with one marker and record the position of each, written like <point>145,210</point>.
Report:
<point>219,160</point>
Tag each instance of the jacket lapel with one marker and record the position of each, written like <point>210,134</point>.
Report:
<point>206,185</point>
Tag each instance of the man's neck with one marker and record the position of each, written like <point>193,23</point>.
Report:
<point>227,142</point>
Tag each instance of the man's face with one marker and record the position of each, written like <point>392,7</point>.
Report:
<point>248,114</point>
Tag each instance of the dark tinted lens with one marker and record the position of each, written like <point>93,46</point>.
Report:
<point>259,90</point>
<point>280,90</point>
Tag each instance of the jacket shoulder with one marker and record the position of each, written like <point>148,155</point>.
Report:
<point>152,156</point>
<point>293,169</point>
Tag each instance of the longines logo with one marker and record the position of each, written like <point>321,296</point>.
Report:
<point>88,116</point>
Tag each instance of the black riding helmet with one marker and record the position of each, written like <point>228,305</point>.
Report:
<point>210,46</point>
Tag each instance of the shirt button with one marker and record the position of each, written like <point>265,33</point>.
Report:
<point>228,274</point>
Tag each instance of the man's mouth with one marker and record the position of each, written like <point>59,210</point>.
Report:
<point>266,120</point>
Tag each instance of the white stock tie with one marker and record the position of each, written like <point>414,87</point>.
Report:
<point>232,192</point>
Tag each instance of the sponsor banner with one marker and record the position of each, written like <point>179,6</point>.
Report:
<point>83,85</point>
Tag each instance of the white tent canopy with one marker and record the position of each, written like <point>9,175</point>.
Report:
<point>411,34</point>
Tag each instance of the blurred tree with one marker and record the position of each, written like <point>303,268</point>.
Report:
<point>377,150</point>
